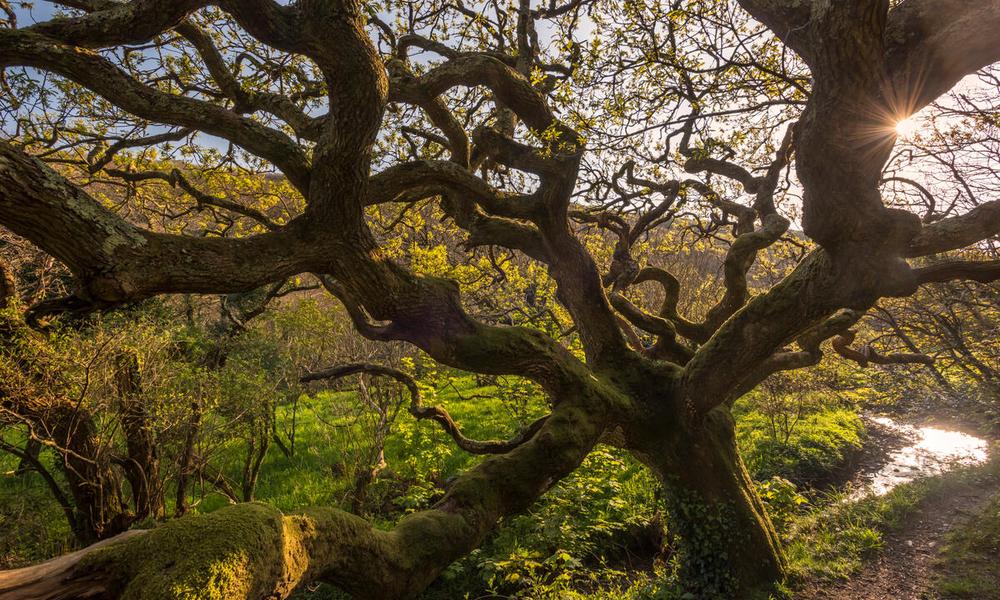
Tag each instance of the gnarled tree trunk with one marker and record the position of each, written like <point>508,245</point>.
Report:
<point>864,57</point>
<point>728,546</point>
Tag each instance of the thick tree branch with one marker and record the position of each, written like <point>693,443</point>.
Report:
<point>118,23</point>
<point>646,322</point>
<point>671,296</point>
<point>278,26</point>
<point>724,168</point>
<point>950,270</point>
<point>24,48</point>
<point>810,294</point>
<point>788,19</point>
<point>790,360</point>
<point>666,346</point>
<point>117,262</point>
<point>739,259</point>
<point>932,44</point>
<point>868,354</point>
<point>958,232</point>
<point>357,91</point>
<point>435,108</point>
<point>510,87</point>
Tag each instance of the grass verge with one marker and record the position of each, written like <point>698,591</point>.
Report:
<point>969,564</point>
<point>833,541</point>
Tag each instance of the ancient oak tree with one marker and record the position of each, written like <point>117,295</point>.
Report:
<point>507,116</point>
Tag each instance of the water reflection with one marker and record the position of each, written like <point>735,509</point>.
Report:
<point>932,451</point>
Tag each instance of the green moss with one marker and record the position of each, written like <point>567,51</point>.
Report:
<point>237,552</point>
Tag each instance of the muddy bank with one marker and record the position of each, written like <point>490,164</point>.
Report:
<point>880,442</point>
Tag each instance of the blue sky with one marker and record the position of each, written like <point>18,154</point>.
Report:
<point>43,11</point>
<point>40,11</point>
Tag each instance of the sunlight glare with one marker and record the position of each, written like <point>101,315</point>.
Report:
<point>953,445</point>
<point>932,451</point>
<point>906,127</point>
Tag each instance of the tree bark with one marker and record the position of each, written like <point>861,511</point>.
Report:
<point>727,545</point>
<point>31,450</point>
<point>142,465</point>
<point>186,463</point>
<point>95,487</point>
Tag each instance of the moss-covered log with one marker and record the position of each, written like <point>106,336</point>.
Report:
<point>252,551</point>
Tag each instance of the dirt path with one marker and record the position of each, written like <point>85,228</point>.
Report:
<point>904,568</point>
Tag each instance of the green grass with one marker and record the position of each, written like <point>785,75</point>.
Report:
<point>330,441</point>
<point>969,564</point>
<point>578,541</point>
<point>820,443</point>
<point>833,541</point>
<point>32,525</point>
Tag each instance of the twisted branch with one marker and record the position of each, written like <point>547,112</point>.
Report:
<point>435,413</point>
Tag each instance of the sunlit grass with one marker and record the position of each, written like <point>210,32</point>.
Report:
<point>326,432</point>
<point>969,565</point>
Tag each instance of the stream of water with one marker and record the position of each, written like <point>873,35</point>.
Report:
<point>930,451</point>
